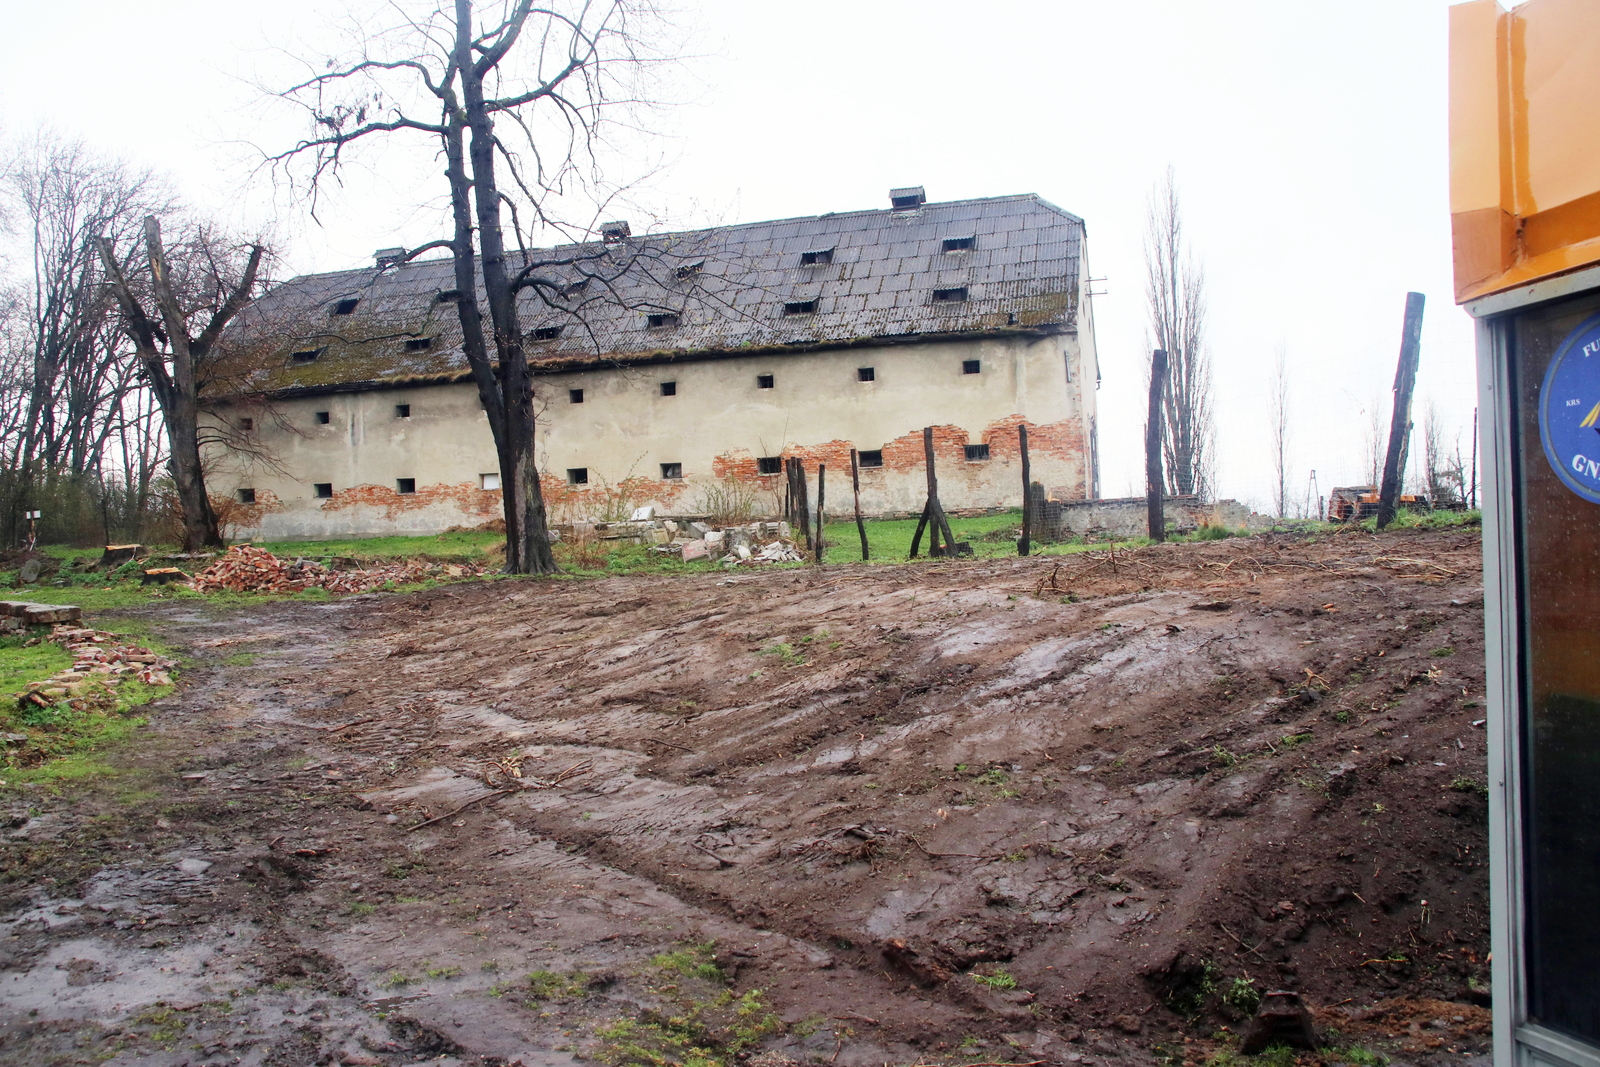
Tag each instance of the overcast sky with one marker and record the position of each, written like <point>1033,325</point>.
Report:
<point>1309,142</point>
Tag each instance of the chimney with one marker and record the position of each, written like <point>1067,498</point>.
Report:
<point>388,257</point>
<point>908,199</point>
<point>612,232</point>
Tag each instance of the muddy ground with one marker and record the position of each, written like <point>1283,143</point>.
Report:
<point>1060,810</point>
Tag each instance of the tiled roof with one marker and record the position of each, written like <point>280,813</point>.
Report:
<point>967,265</point>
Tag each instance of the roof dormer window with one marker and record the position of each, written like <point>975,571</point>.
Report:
<point>346,306</point>
<point>818,258</point>
<point>419,344</point>
<point>689,270</point>
<point>662,321</point>
<point>800,307</point>
<point>308,356</point>
<point>960,244</point>
<point>547,333</point>
<point>907,199</point>
<point>950,296</point>
<point>448,296</point>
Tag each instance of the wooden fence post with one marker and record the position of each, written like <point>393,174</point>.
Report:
<point>1023,544</point>
<point>1155,514</point>
<point>855,486</point>
<point>822,475</point>
<point>1405,380</point>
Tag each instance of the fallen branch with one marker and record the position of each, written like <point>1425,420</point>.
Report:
<point>1242,945</point>
<point>713,855</point>
<point>458,811</point>
<point>955,855</point>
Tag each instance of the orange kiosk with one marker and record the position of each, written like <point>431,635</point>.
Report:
<point>1525,215</point>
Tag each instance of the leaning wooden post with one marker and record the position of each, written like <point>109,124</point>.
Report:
<point>855,487</point>
<point>802,500</point>
<point>822,475</point>
<point>933,492</point>
<point>1405,380</point>
<point>1027,492</point>
<point>1152,448</point>
<point>922,524</point>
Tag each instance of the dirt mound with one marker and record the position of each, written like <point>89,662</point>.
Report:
<point>1019,792</point>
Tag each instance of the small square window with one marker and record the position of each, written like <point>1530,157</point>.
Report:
<point>323,418</point>
<point>577,475</point>
<point>873,458</point>
<point>308,356</point>
<point>402,411</point>
<point>246,425</point>
<point>672,471</point>
<point>547,333</point>
<point>971,366</point>
<point>950,296</point>
<point>816,259</point>
<point>419,344</point>
<point>661,321</point>
<point>575,395</point>
<point>800,307</point>
<point>960,244</point>
<point>405,485</point>
<point>247,496</point>
<point>489,481</point>
<point>769,465</point>
<point>763,381</point>
<point>669,388</point>
<point>322,490</point>
<point>346,307</point>
<point>866,374</point>
<point>977,451</point>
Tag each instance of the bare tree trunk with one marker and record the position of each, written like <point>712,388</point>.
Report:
<point>177,387</point>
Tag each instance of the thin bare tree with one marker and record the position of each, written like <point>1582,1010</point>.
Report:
<point>1374,441</point>
<point>1278,428</point>
<point>179,345</point>
<point>519,101</point>
<point>1175,287</point>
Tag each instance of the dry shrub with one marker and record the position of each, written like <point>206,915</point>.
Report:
<point>584,551</point>
<point>729,502</point>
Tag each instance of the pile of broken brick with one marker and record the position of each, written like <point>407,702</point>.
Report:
<point>247,569</point>
<point>99,658</point>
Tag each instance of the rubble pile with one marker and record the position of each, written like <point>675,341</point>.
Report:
<point>247,569</point>
<point>750,543</point>
<point>98,659</point>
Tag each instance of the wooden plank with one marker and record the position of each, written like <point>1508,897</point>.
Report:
<point>1405,381</point>
<point>1155,514</point>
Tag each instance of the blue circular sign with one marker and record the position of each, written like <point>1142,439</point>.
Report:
<point>1569,411</point>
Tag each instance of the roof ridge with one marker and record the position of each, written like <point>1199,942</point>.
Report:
<point>705,230</point>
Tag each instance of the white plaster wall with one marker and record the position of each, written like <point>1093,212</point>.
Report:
<point>718,423</point>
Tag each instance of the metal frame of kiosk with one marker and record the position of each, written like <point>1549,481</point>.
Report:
<point>1528,989</point>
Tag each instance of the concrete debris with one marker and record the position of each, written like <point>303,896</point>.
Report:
<point>247,569</point>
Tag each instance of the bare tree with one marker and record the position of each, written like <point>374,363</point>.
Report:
<point>518,105</point>
<point>179,346</point>
<point>1374,441</point>
<point>67,372</point>
<point>1434,464</point>
<point>1175,287</point>
<point>1278,428</point>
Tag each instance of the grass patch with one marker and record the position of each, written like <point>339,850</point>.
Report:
<point>998,978</point>
<point>60,742</point>
<point>548,985</point>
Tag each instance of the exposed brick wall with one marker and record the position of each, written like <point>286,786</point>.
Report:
<point>1063,440</point>
<point>471,501</point>
<point>567,502</point>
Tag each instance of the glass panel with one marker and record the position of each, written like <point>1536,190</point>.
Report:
<point>1556,384</point>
